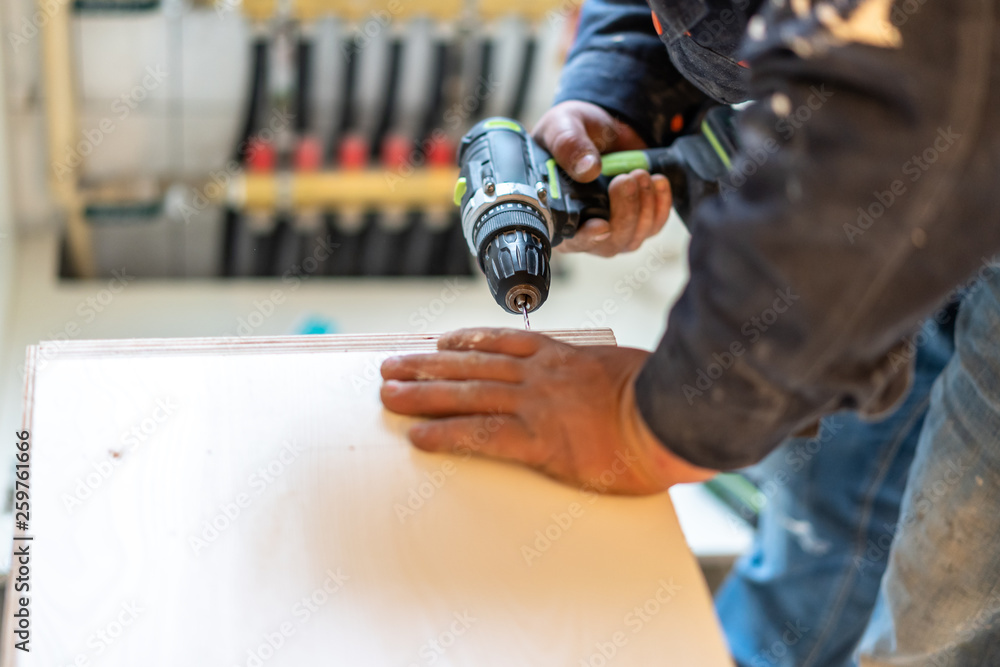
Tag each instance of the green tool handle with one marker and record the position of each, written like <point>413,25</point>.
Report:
<point>653,160</point>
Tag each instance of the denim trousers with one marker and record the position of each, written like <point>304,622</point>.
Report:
<point>879,542</point>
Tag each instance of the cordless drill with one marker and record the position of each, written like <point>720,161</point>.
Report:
<point>517,203</point>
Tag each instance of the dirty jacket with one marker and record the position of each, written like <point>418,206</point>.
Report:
<point>865,198</point>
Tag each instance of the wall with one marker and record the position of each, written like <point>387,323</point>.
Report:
<point>187,119</point>
<point>7,234</point>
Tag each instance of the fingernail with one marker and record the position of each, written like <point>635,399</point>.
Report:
<point>391,386</point>
<point>390,362</point>
<point>661,185</point>
<point>602,237</point>
<point>584,164</point>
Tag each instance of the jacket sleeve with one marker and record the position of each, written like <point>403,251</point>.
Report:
<point>864,193</point>
<point>619,63</point>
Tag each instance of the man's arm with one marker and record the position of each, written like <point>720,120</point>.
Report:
<point>867,198</point>
<point>870,195</point>
<point>619,63</point>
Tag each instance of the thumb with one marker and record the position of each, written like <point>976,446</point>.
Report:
<point>567,139</point>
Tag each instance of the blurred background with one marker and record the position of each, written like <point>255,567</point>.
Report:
<point>280,167</point>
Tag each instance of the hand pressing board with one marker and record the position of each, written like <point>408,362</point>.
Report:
<point>249,502</point>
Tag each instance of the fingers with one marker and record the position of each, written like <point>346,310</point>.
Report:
<point>498,435</point>
<point>450,365</point>
<point>643,222</point>
<point>576,133</point>
<point>444,398</point>
<point>640,206</point>
<point>626,197</point>
<point>566,137</point>
<point>664,200</point>
<point>590,234</point>
<point>512,342</point>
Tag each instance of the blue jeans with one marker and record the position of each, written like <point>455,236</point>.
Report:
<point>879,543</point>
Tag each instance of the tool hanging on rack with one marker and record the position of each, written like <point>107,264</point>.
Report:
<point>306,233</point>
<point>390,148</point>
<point>235,237</point>
<point>426,252</point>
<point>295,196</point>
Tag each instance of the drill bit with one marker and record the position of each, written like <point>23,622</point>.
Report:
<point>522,303</point>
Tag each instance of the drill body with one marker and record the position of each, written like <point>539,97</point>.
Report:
<point>517,203</point>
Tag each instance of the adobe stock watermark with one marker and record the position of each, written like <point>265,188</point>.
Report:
<point>120,109</point>
<point>129,441</point>
<point>424,316</point>
<point>947,477</point>
<point>258,482</point>
<point>906,351</point>
<point>562,522</point>
<point>265,307</point>
<point>434,648</point>
<point>220,179</point>
<point>798,454</point>
<point>984,621</point>
<point>563,10</point>
<point>88,310</point>
<point>754,156</point>
<point>303,610</point>
<point>460,111</point>
<point>793,633</point>
<point>364,32</point>
<point>634,622</point>
<point>628,285</point>
<point>104,637</point>
<point>913,169</point>
<point>418,496</point>
<point>420,320</point>
<point>752,330</point>
<point>31,25</point>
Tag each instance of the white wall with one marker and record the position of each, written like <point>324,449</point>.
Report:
<point>187,123</point>
<point>7,236</point>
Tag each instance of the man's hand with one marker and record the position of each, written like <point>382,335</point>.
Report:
<point>576,133</point>
<point>567,411</point>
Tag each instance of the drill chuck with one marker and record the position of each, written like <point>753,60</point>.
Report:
<point>515,260</point>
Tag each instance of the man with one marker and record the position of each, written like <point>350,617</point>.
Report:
<point>864,197</point>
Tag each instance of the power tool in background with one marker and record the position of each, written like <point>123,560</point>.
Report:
<point>517,203</point>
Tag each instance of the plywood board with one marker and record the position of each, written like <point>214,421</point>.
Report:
<point>249,502</point>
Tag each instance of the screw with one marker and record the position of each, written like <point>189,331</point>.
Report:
<point>490,187</point>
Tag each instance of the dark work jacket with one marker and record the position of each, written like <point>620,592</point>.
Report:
<point>866,196</point>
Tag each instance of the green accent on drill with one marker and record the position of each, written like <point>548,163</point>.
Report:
<point>553,179</point>
<point>461,185</point>
<point>497,124</point>
<point>623,162</point>
<point>712,139</point>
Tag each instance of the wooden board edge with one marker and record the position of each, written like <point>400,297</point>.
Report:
<point>278,344</point>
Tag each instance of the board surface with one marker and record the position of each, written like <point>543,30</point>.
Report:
<point>249,502</point>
